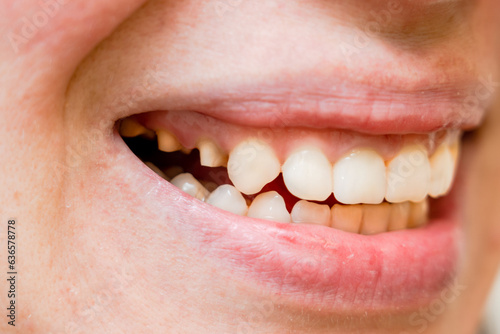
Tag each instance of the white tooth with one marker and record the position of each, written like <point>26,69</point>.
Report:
<point>167,142</point>
<point>269,206</point>
<point>155,169</point>
<point>419,213</point>
<point>442,171</point>
<point>210,154</point>
<point>130,128</point>
<point>228,198</point>
<point>312,213</point>
<point>347,217</point>
<point>308,175</point>
<point>191,186</point>
<point>400,214</point>
<point>252,164</point>
<point>360,177</point>
<point>375,218</point>
<point>408,175</point>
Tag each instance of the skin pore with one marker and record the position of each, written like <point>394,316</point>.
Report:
<point>104,247</point>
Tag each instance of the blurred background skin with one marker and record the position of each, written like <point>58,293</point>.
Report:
<point>34,77</point>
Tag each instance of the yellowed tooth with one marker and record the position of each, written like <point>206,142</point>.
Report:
<point>167,142</point>
<point>347,217</point>
<point>442,171</point>
<point>157,170</point>
<point>400,214</point>
<point>211,155</point>
<point>311,213</point>
<point>419,214</point>
<point>130,128</point>
<point>191,186</point>
<point>375,218</point>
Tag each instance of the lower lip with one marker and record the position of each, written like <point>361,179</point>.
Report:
<point>317,267</point>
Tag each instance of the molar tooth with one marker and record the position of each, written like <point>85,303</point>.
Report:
<point>360,177</point>
<point>227,197</point>
<point>419,213</point>
<point>210,154</point>
<point>130,128</point>
<point>408,175</point>
<point>442,171</point>
<point>307,212</point>
<point>308,174</point>
<point>157,170</point>
<point>191,186</point>
<point>375,218</point>
<point>252,164</point>
<point>347,217</point>
<point>269,206</point>
<point>400,214</point>
<point>167,142</point>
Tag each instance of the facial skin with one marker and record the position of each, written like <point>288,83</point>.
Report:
<point>104,247</point>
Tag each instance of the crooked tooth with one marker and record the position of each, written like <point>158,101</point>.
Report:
<point>419,214</point>
<point>312,213</point>
<point>167,142</point>
<point>375,218</point>
<point>347,217</point>
<point>157,170</point>
<point>227,197</point>
<point>442,171</point>
<point>408,175</point>
<point>360,177</point>
<point>252,164</point>
<point>130,128</point>
<point>308,174</point>
<point>191,186</point>
<point>269,206</point>
<point>400,214</point>
<point>210,154</point>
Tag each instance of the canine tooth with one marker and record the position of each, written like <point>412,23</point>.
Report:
<point>347,217</point>
<point>210,154</point>
<point>442,171</point>
<point>269,206</point>
<point>308,175</point>
<point>307,212</point>
<point>252,164</point>
<point>419,213</point>
<point>130,128</point>
<point>227,197</point>
<point>360,177</point>
<point>167,142</point>
<point>191,186</point>
<point>173,171</point>
<point>157,170</point>
<point>400,214</point>
<point>408,175</point>
<point>375,218</point>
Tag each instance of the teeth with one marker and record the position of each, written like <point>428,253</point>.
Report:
<point>360,178</point>
<point>210,154</point>
<point>173,171</point>
<point>155,169</point>
<point>308,175</point>
<point>167,142</point>
<point>191,186</point>
<point>408,175</point>
<point>252,164</point>
<point>399,216</point>
<point>442,171</point>
<point>347,217</point>
<point>227,197</point>
<point>375,218</point>
<point>312,213</point>
<point>269,206</point>
<point>419,213</point>
<point>130,128</point>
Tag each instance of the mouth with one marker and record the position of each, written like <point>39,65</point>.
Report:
<point>318,216</point>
